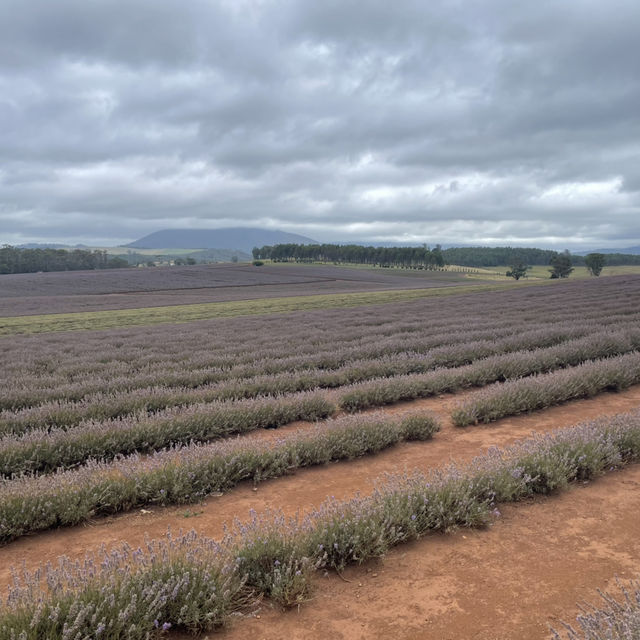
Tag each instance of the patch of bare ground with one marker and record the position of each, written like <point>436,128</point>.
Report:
<point>527,570</point>
<point>510,581</point>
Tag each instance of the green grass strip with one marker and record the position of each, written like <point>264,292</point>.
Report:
<point>92,320</point>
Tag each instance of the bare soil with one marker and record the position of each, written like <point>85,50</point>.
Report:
<point>509,581</point>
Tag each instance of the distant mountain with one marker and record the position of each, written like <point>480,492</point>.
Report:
<point>633,251</point>
<point>242,238</point>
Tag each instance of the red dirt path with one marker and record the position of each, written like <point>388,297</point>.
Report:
<point>537,560</point>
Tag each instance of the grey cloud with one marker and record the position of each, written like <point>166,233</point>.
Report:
<point>438,122</point>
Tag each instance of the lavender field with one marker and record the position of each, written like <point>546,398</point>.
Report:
<point>62,292</point>
<point>99,422</point>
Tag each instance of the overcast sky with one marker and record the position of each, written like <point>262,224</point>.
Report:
<point>493,122</point>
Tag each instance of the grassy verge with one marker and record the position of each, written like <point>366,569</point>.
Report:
<point>193,583</point>
<point>190,312</point>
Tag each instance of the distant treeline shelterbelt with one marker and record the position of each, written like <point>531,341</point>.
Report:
<point>15,260</point>
<point>422,257</point>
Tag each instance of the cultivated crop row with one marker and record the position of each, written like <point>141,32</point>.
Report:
<point>186,474</point>
<point>539,392</point>
<point>488,370</point>
<point>108,406</point>
<point>193,583</point>
<point>43,451</point>
<point>212,367</point>
<point>89,352</point>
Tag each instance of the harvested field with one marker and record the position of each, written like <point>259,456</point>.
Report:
<point>70,397</point>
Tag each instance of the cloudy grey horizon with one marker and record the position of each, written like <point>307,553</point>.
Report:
<point>493,123</point>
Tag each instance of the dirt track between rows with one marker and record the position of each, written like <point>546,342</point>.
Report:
<point>535,562</point>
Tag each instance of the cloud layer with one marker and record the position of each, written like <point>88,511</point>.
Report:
<point>452,122</point>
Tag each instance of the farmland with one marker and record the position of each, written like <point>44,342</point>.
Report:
<point>60,292</point>
<point>112,432</point>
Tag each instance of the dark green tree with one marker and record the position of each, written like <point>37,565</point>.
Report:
<point>595,263</point>
<point>561,266</point>
<point>517,270</point>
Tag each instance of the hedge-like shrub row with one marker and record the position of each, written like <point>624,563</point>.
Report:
<point>43,451</point>
<point>193,583</point>
<point>539,392</point>
<point>109,406</point>
<point>500,367</point>
<point>186,474</point>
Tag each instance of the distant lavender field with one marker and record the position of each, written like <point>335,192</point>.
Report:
<point>70,291</point>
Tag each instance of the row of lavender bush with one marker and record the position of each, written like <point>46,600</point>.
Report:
<point>43,451</point>
<point>165,348</point>
<point>212,367</point>
<point>108,406</point>
<point>492,369</point>
<point>208,369</point>
<point>193,583</point>
<point>539,392</point>
<point>187,474</point>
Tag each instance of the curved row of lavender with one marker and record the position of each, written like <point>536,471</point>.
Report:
<point>193,583</point>
<point>623,336</point>
<point>46,380</point>
<point>53,358</point>
<point>535,330</point>
<point>188,473</point>
<point>44,450</point>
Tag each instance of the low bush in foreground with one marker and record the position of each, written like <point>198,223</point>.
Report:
<point>539,392</point>
<point>186,474</point>
<point>193,583</point>
<point>617,619</point>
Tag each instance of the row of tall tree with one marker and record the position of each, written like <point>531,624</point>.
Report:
<point>16,260</point>
<point>407,257</point>
<point>498,256</point>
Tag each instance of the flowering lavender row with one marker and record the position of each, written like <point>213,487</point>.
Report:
<point>546,390</point>
<point>43,451</point>
<point>193,583</point>
<point>32,391</point>
<point>488,370</point>
<point>93,351</point>
<point>186,474</point>
<point>618,618</point>
<point>109,406</point>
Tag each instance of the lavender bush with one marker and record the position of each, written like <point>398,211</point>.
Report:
<point>488,370</point>
<point>618,618</point>
<point>186,474</point>
<point>538,392</point>
<point>43,451</point>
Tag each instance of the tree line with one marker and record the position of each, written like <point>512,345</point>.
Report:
<point>423,257</point>
<point>408,257</point>
<point>16,260</point>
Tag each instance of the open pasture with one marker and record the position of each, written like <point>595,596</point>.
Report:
<point>136,429</point>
